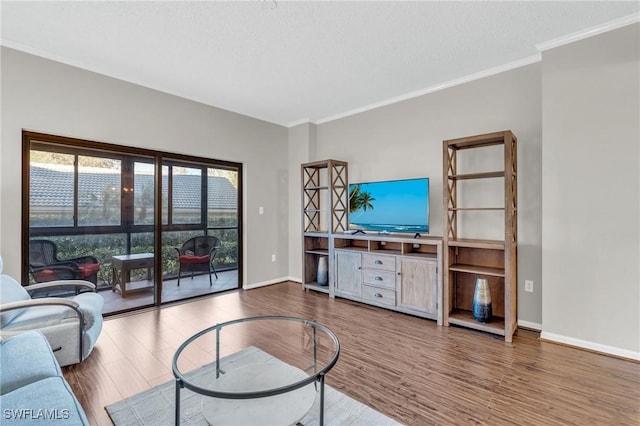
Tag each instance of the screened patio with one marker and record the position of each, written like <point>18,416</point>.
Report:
<point>98,201</point>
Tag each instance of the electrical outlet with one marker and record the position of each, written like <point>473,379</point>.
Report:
<point>528,286</point>
<point>273,257</point>
<point>260,210</point>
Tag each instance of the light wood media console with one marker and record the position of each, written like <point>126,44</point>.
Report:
<point>392,272</point>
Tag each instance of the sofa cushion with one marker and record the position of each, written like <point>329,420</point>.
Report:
<point>47,275</point>
<point>48,401</point>
<point>11,291</point>
<point>88,269</point>
<point>91,307</point>
<point>189,259</point>
<point>24,359</point>
<point>42,316</point>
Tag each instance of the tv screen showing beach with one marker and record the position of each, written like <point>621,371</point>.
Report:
<point>390,206</point>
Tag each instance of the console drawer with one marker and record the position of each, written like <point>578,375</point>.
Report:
<point>379,295</point>
<point>379,278</point>
<point>379,261</point>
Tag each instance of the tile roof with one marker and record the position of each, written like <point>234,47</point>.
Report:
<point>54,188</point>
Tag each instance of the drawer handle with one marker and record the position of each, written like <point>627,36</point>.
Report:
<point>378,262</point>
<point>378,278</point>
<point>377,295</point>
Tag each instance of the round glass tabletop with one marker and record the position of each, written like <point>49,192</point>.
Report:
<point>258,370</point>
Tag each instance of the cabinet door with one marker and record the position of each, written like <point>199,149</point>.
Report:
<point>417,285</point>
<point>348,273</point>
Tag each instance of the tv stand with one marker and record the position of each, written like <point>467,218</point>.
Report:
<point>395,272</point>
<point>399,273</point>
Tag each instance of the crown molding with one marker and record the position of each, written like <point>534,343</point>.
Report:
<point>589,32</point>
<point>299,122</point>
<point>466,79</point>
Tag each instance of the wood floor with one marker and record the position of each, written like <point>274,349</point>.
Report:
<point>405,367</point>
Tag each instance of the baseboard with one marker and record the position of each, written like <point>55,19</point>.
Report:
<point>546,336</point>
<point>530,325</point>
<point>591,346</point>
<point>269,282</point>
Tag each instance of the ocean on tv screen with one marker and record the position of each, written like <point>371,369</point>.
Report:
<point>387,228</point>
<point>390,206</point>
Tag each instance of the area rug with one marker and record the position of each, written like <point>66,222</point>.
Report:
<point>156,406</point>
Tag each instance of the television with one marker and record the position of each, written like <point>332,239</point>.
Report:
<point>390,206</point>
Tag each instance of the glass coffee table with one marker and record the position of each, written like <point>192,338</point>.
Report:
<point>265,370</point>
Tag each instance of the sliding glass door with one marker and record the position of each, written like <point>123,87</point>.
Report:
<point>199,229</point>
<point>120,217</point>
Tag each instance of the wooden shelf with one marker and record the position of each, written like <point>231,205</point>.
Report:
<point>325,197</point>
<point>483,175</point>
<point>479,141</point>
<point>315,286</point>
<point>460,209</point>
<point>389,252</point>
<point>479,270</point>
<point>316,234</point>
<point>421,255</point>
<point>352,248</point>
<point>321,252</point>
<point>473,243</point>
<point>466,319</point>
<point>464,259</point>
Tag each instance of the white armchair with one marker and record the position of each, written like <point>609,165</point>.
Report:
<point>71,326</point>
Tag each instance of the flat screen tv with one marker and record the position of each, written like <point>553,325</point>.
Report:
<point>390,206</point>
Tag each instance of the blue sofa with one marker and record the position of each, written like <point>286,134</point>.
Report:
<point>72,326</point>
<point>32,388</point>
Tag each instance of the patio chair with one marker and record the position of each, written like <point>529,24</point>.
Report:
<point>45,266</point>
<point>72,326</point>
<point>197,254</point>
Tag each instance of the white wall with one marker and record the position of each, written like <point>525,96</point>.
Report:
<point>49,97</point>
<point>302,140</point>
<point>404,140</point>
<point>591,192</point>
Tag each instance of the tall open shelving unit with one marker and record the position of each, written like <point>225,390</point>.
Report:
<point>325,211</point>
<point>465,260</point>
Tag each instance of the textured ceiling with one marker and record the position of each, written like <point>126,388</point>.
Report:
<point>287,62</point>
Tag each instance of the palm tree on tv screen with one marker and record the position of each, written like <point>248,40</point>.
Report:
<point>360,200</point>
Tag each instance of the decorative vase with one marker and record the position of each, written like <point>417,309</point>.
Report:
<point>323,273</point>
<point>482,311</point>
